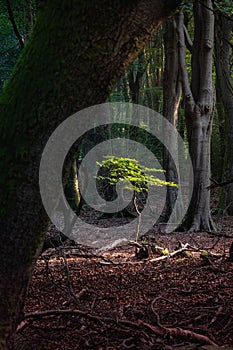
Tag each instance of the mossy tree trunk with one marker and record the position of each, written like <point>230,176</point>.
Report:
<point>77,52</point>
<point>199,100</point>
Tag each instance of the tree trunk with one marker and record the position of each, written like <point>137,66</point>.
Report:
<point>221,126</point>
<point>135,77</point>
<point>70,62</point>
<point>72,189</point>
<point>199,110</point>
<point>223,34</point>
<point>171,101</point>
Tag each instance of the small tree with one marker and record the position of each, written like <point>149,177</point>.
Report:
<point>136,178</point>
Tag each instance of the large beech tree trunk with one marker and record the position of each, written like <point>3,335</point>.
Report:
<point>223,50</point>
<point>75,55</point>
<point>199,110</point>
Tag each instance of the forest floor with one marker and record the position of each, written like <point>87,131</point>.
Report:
<point>79,300</point>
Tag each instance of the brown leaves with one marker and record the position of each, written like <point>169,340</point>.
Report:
<point>77,302</point>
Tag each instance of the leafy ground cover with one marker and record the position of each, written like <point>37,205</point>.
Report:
<point>78,300</point>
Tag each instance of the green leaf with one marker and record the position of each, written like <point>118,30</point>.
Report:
<point>128,170</point>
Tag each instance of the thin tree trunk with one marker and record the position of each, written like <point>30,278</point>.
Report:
<point>14,25</point>
<point>171,101</point>
<point>223,34</point>
<point>70,62</point>
<point>135,78</point>
<point>199,111</point>
<point>221,123</point>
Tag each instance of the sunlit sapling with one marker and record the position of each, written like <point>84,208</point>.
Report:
<point>136,178</point>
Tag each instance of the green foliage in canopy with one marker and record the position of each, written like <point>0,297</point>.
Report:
<point>24,15</point>
<point>223,6</point>
<point>9,48</point>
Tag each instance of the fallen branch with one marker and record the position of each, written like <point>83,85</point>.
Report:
<point>158,330</point>
<point>75,253</point>
<point>185,247</point>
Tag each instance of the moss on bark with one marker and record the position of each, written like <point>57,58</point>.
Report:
<point>75,55</point>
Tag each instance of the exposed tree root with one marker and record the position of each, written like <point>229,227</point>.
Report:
<point>158,330</point>
<point>202,224</point>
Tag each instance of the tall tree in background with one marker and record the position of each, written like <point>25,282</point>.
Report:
<point>70,62</point>
<point>199,99</point>
<point>171,101</point>
<point>135,75</point>
<point>223,65</point>
<point>154,52</point>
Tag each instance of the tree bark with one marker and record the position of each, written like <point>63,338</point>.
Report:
<point>171,101</point>
<point>76,53</point>
<point>135,78</point>
<point>223,34</point>
<point>199,110</point>
<point>221,128</point>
